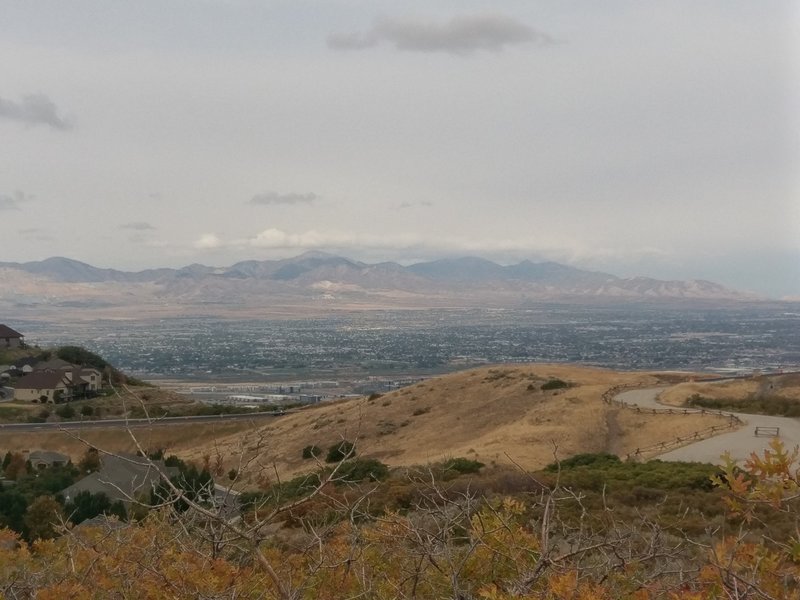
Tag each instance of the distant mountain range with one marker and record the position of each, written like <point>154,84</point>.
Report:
<point>317,278</point>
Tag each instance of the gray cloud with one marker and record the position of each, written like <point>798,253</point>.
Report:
<point>33,109</point>
<point>137,226</point>
<point>405,205</point>
<point>459,35</point>
<point>13,201</point>
<point>36,234</point>
<point>274,198</point>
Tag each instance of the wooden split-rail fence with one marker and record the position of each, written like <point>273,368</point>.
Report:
<point>609,397</point>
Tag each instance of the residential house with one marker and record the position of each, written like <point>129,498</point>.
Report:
<point>47,387</point>
<point>84,380</point>
<point>23,366</point>
<point>42,459</point>
<point>10,338</point>
<point>56,381</point>
<point>125,477</point>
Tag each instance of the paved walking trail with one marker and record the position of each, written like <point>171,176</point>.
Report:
<point>740,443</point>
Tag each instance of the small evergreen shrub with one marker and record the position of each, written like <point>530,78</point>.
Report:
<point>361,469</point>
<point>340,451</point>
<point>311,451</point>
<point>65,411</point>
<point>463,465</point>
<point>554,384</point>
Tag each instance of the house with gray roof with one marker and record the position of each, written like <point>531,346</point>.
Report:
<point>10,338</point>
<point>43,459</point>
<point>125,477</point>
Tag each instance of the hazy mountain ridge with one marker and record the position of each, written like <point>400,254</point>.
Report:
<point>316,276</point>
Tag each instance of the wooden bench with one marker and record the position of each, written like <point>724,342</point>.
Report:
<point>768,431</point>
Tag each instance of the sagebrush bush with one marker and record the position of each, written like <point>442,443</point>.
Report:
<point>340,451</point>
<point>554,384</point>
<point>311,451</point>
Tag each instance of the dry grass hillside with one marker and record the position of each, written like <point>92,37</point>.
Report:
<point>177,439</point>
<point>493,414</point>
<point>784,386</point>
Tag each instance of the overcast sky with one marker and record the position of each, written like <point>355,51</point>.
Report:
<point>657,138</point>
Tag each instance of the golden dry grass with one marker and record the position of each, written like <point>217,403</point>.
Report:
<point>494,414</point>
<point>786,386</point>
<point>176,439</point>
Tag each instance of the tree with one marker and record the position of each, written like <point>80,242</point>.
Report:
<point>13,505</point>
<point>86,505</point>
<point>43,518</point>
<point>16,466</point>
<point>90,461</point>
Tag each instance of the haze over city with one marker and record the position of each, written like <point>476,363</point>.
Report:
<point>635,138</point>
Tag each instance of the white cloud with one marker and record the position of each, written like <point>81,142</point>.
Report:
<point>208,241</point>
<point>399,244</point>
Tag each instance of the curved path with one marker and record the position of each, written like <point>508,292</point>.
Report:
<point>739,443</point>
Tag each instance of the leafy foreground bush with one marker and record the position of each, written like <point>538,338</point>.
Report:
<point>449,544</point>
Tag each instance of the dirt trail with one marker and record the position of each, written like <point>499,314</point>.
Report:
<point>613,433</point>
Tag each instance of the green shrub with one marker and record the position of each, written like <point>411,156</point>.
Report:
<point>311,451</point>
<point>596,459</point>
<point>462,465</point>
<point>362,469</point>
<point>597,471</point>
<point>65,411</point>
<point>762,405</point>
<point>554,384</point>
<point>340,451</point>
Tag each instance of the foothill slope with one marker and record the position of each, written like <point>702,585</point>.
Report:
<point>495,415</point>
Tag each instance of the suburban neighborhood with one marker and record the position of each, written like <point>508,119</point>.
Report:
<point>46,380</point>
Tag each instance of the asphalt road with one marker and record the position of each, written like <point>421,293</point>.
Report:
<point>739,443</point>
<point>122,423</point>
